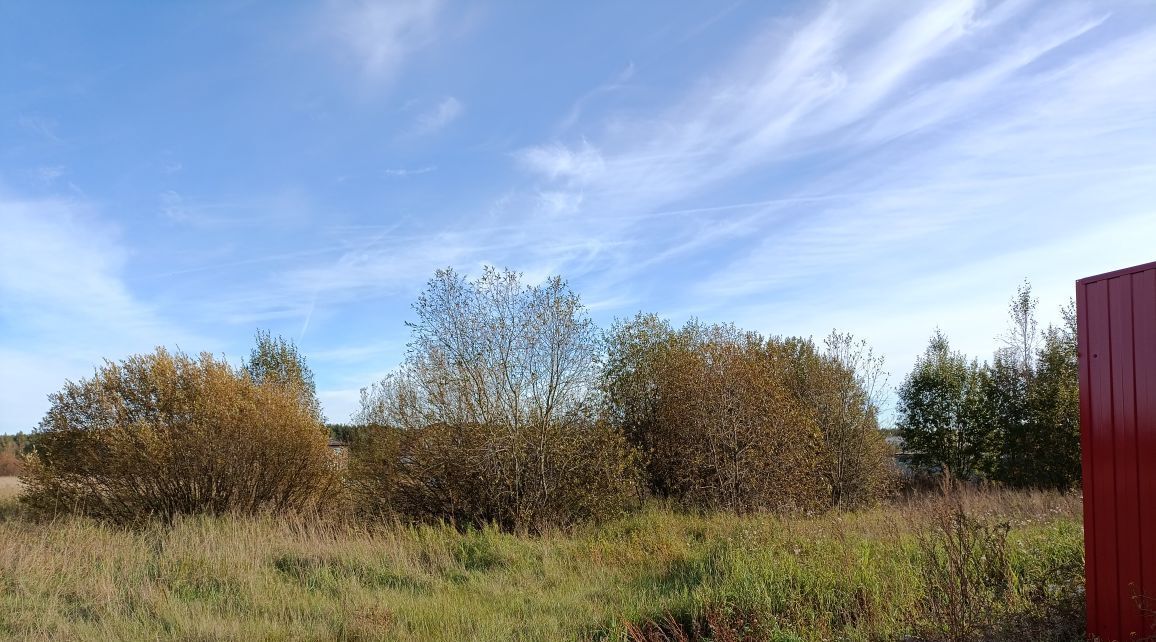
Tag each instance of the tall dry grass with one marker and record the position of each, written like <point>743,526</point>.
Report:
<point>656,575</point>
<point>9,487</point>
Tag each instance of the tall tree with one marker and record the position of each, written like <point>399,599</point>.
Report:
<point>637,352</point>
<point>501,352</point>
<point>276,360</point>
<point>1054,406</point>
<point>1021,339</point>
<point>1033,398</point>
<point>1005,393</point>
<point>1007,389</point>
<point>942,413</point>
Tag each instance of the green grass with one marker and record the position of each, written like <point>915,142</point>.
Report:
<point>849,576</point>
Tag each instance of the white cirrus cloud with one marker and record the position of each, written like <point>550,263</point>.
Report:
<point>582,164</point>
<point>405,172</point>
<point>64,304</point>
<point>445,112</point>
<point>379,36</point>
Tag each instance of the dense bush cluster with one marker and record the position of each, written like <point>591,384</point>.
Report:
<point>728,419</point>
<point>478,474</point>
<point>163,434</point>
<point>511,408</point>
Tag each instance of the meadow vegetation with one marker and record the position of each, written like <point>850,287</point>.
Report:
<point>523,475</point>
<point>886,573</point>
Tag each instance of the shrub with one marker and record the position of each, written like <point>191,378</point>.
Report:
<point>164,434</point>
<point>491,419</point>
<point>841,387</point>
<point>473,475</point>
<point>711,409</point>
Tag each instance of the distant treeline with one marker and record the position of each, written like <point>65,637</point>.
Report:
<point>12,450</point>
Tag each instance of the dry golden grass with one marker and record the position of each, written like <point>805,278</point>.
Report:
<point>846,576</point>
<point>9,488</point>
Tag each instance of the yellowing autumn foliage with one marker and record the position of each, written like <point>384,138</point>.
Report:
<point>164,434</point>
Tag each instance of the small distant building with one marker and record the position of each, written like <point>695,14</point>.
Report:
<point>902,457</point>
<point>338,447</point>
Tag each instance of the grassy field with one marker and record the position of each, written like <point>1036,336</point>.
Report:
<point>654,576</point>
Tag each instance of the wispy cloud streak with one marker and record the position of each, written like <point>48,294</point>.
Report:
<point>379,36</point>
<point>445,112</point>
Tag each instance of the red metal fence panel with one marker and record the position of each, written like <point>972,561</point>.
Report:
<point>1116,319</point>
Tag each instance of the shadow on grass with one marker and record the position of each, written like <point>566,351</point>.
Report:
<point>331,574</point>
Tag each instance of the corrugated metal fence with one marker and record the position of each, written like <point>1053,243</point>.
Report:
<point>1116,317</point>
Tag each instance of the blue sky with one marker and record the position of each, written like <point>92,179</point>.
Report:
<point>181,174</point>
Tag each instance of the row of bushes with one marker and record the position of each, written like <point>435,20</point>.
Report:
<point>510,408</point>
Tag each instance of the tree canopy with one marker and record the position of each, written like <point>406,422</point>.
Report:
<point>276,360</point>
<point>1014,421</point>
